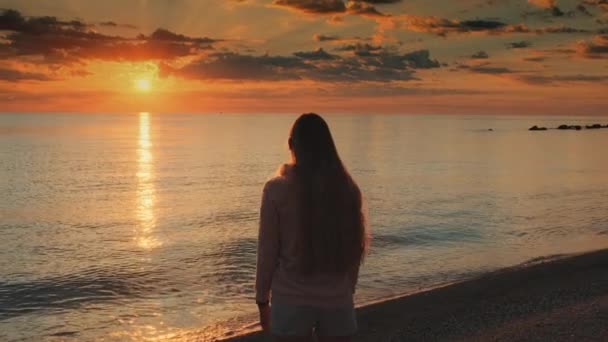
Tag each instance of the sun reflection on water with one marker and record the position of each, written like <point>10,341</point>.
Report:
<point>145,187</point>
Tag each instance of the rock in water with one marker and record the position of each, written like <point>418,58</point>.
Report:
<point>536,128</point>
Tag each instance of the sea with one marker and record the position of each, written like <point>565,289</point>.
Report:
<point>143,226</point>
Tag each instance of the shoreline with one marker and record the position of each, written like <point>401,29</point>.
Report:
<point>558,297</point>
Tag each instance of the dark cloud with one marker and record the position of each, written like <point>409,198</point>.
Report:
<point>561,79</point>
<point>557,12</point>
<point>363,8</point>
<point>485,69</point>
<point>399,90</point>
<point>362,50</point>
<point>583,10</point>
<point>519,45</point>
<point>314,55</point>
<point>327,38</point>
<point>385,65</point>
<point>443,27</point>
<point>491,70</point>
<point>234,66</point>
<point>380,57</point>
<point>380,2</point>
<point>535,59</point>
<point>66,42</point>
<point>337,39</point>
<point>168,36</point>
<point>560,29</point>
<point>481,25</point>
<point>11,20</point>
<point>596,48</point>
<point>108,23</point>
<point>12,75</point>
<point>114,24</point>
<point>420,60</point>
<point>353,71</point>
<point>314,6</point>
<point>564,51</point>
<point>355,7</point>
<point>480,55</point>
<point>532,78</point>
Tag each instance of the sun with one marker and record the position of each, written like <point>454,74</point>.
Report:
<point>143,85</point>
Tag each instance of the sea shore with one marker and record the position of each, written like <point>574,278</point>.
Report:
<point>562,298</point>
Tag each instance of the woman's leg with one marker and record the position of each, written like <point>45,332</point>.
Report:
<point>291,323</point>
<point>337,324</point>
<point>292,338</point>
<point>335,338</point>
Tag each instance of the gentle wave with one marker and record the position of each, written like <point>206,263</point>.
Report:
<point>74,290</point>
<point>135,227</point>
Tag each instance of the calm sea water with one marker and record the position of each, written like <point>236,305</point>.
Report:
<point>143,226</point>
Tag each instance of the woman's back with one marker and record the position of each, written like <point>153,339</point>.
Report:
<point>311,240</point>
<point>281,219</point>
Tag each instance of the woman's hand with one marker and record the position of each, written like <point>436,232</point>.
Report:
<point>265,317</point>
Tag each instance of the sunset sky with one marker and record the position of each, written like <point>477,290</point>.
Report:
<point>359,56</point>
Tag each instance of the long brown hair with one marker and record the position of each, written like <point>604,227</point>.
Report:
<point>331,236</point>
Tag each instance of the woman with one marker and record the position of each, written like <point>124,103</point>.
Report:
<point>311,242</point>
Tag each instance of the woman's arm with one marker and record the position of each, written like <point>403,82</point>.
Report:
<point>353,276</point>
<point>268,245</point>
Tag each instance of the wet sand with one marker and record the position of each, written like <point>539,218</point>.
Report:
<point>561,299</point>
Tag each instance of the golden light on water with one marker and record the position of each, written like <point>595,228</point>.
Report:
<point>145,187</point>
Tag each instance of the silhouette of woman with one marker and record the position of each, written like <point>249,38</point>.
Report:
<point>312,240</point>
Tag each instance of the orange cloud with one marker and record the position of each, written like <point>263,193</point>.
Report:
<point>543,3</point>
<point>596,48</point>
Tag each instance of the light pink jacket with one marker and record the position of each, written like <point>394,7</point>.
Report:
<point>276,259</point>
